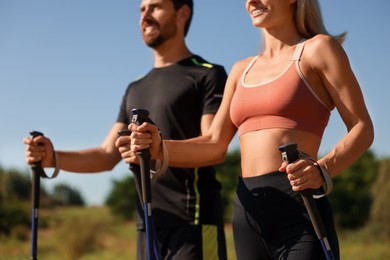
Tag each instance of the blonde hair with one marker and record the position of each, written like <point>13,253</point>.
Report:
<point>308,20</point>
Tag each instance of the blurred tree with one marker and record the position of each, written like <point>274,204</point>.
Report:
<point>351,197</point>
<point>15,194</point>
<point>121,199</point>
<point>227,174</point>
<point>380,212</point>
<point>68,196</point>
<point>13,215</point>
<point>15,199</point>
<point>14,185</point>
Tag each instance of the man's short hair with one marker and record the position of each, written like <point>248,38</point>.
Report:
<point>179,3</point>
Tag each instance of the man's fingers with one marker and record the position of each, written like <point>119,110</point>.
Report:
<point>34,152</point>
<point>132,127</point>
<point>122,141</point>
<point>32,157</point>
<point>140,138</point>
<point>145,136</point>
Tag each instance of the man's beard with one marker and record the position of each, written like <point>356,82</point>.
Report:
<point>155,41</point>
<point>167,32</point>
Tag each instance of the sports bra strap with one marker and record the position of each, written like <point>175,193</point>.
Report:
<point>298,51</point>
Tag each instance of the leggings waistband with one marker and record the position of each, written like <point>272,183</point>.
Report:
<point>272,179</point>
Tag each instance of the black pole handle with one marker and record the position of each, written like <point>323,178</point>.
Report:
<point>37,166</point>
<point>137,177</point>
<point>36,183</point>
<point>140,116</point>
<point>290,154</point>
<point>124,132</point>
<point>38,172</point>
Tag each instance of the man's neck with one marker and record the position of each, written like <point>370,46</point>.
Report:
<point>168,54</point>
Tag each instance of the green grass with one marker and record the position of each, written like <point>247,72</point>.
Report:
<point>363,244</point>
<point>94,234</point>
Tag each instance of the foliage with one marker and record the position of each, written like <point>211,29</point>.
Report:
<point>14,185</point>
<point>380,212</point>
<point>15,201</point>
<point>82,235</point>
<point>227,174</point>
<point>360,194</point>
<point>381,191</point>
<point>117,240</point>
<point>13,215</point>
<point>122,197</point>
<point>351,198</point>
<point>15,192</point>
<point>67,195</point>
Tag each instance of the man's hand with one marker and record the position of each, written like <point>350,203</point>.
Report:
<point>145,136</point>
<point>123,145</point>
<point>39,148</point>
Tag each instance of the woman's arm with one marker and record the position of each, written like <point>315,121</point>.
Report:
<point>208,149</point>
<point>332,65</point>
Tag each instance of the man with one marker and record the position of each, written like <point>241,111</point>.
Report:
<point>182,93</point>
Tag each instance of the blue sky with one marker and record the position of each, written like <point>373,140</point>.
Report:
<point>64,66</point>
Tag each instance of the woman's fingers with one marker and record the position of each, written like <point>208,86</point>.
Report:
<point>304,174</point>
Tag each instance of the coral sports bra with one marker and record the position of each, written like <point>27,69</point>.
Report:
<point>284,102</point>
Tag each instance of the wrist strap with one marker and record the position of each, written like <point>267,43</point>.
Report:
<point>37,168</point>
<point>328,180</point>
<point>325,175</point>
<point>56,167</point>
<point>162,167</point>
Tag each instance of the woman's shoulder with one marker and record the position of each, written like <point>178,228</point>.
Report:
<point>241,65</point>
<point>321,42</point>
<point>322,48</point>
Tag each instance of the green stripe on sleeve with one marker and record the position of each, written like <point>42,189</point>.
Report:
<point>207,65</point>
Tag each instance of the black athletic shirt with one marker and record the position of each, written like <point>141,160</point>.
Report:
<point>176,97</point>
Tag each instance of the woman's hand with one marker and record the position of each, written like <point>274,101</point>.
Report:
<point>303,174</point>
<point>145,136</point>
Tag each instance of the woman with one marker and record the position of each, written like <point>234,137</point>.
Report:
<point>283,95</point>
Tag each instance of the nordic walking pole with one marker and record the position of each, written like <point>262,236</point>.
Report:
<point>140,116</point>
<point>37,172</point>
<point>137,177</point>
<point>290,154</point>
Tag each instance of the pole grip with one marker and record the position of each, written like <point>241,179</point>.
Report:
<point>36,185</point>
<point>290,154</point>
<point>139,117</point>
<point>37,173</point>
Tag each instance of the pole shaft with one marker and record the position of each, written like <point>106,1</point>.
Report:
<point>290,153</point>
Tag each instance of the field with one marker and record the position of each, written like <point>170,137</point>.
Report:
<point>92,233</point>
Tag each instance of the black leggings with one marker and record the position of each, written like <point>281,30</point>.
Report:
<point>270,221</point>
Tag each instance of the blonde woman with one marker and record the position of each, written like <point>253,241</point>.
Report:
<point>283,95</point>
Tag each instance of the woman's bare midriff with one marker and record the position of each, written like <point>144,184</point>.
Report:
<point>259,149</point>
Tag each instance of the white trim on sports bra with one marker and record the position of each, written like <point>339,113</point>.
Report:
<point>296,58</point>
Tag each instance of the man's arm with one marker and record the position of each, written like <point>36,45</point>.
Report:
<point>97,159</point>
